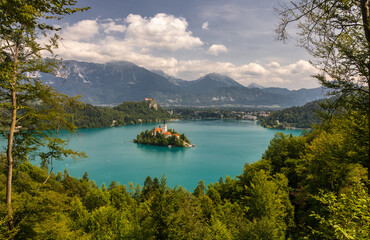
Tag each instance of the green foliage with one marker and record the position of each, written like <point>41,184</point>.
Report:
<point>261,229</point>
<point>347,214</point>
<point>29,110</point>
<point>5,233</point>
<point>328,163</point>
<point>295,117</point>
<point>284,154</point>
<point>337,35</point>
<point>184,138</point>
<point>96,198</point>
<point>89,116</point>
<point>158,139</point>
<point>200,189</point>
<point>218,230</point>
<point>230,189</point>
<point>108,223</point>
<point>268,198</point>
<point>336,155</point>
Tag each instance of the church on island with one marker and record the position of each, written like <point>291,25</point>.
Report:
<point>162,136</point>
<point>163,130</point>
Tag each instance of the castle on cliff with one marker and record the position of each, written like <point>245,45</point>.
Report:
<point>152,103</point>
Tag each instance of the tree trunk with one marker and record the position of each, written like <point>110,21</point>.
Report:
<point>365,10</point>
<point>10,161</point>
<point>368,147</point>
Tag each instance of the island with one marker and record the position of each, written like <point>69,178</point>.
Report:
<point>162,136</point>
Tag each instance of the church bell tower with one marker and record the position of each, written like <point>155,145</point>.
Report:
<point>164,126</point>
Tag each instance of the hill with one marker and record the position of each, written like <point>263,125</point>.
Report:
<point>295,117</point>
<point>89,116</point>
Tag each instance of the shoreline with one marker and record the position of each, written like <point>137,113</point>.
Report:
<point>168,146</point>
<point>192,119</point>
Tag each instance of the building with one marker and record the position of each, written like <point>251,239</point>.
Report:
<point>158,130</point>
<point>163,130</point>
<point>167,134</point>
<point>164,126</point>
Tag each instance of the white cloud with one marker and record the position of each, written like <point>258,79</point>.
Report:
<point>295,75</point>
<point>113,27</point>
<point>97,41</point>
<point>296,68</point>
<point>84,29</point>
<point>216,49</point>
<point>205,26</point>
<point>252,69</point>
<point>160,32</point>
<point>273,64</point>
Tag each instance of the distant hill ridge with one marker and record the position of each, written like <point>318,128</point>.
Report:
<point>89,116</point>
<point>116,82</point>
<point>295,117</point>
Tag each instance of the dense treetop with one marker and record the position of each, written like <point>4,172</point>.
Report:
<point>295,117</point>
<point>89,116</point>
<point>159,139</point>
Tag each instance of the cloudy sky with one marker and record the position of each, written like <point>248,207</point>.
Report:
<point>188,39</point>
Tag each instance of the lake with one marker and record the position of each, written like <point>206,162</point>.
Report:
<point>222,148</point>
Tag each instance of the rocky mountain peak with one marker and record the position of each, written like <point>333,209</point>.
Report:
<point>115,82</point>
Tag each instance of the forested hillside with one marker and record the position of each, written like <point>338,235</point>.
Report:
<point>303,187</point>
<point>295,117</point>
<point>89,116</point>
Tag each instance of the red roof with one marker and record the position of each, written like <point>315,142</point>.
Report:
<point>158,130</point>
<point>167,133</point>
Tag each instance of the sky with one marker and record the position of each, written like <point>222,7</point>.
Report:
<point>188,39</point>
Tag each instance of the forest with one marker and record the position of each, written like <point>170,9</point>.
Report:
<point>294,117</point>
<point>89,116</point>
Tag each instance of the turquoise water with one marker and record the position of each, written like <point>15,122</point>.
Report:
<point>222,148</point>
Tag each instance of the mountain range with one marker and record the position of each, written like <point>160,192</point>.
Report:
<point>115,82</point>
